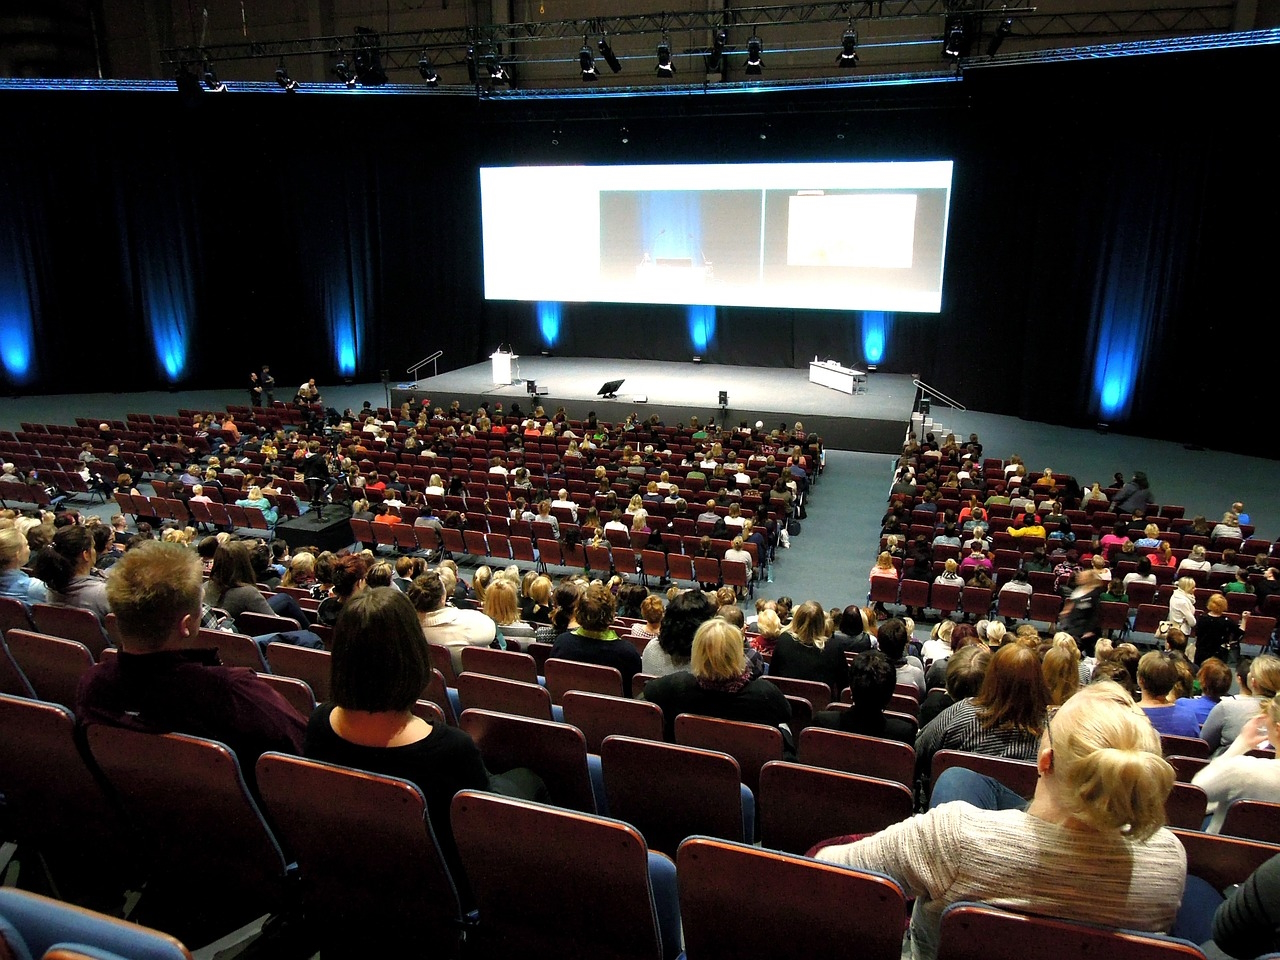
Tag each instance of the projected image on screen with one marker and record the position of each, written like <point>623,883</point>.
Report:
<point>867,236</point>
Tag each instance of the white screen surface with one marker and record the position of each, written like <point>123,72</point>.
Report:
<point>847,236</point>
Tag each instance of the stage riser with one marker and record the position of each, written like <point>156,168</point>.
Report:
<point>333,534</point>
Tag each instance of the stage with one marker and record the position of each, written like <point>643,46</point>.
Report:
<point>873,420</point>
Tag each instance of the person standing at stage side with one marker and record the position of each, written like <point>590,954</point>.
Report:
<point>268,384</point>
<point>255,390</point>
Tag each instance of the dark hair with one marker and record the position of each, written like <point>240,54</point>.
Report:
<point>231,567</point>
<point>207,547</point>
<point>892,638</point>
<point>629,599</point>
<point>380,660</point>
<point>347,572</point>
<point>563,602</point>
<point>1157,673</point>
<point>684,615</point>
<point>55,564</point>
<point>851,623</point>
<point>426,593</point>
<point>595,607</point>
<point>872,678</point>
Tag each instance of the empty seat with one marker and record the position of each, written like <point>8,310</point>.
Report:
<point>791,821</point>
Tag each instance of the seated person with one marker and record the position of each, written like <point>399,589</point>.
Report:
<point>965,670</point>
<point>1097,813</point>
<point>163,681</point>
<point>670,651</point>
<point>594,640</point>
<point>1235,775</point>
<point>872,679</point>
<point>380,667</point>
<point>65,566</point>
<point>719,684</point>
<point>1158,674</point>
<point>446,625</point>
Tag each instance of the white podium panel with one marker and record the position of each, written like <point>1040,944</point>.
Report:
<point>828,373</point>
<point>502,366</point>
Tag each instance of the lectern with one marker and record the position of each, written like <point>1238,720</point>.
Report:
<point>502,366</point>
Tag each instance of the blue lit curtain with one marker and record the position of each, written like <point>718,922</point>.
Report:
<point>549,314</point>
<point>158,229</point>
<point>702,327</point>
<point>21,246</point>
<point>876,329</point>
<point>1141,263</point>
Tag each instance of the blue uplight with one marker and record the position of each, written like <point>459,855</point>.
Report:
<point>702,325</point>
<point>876,326</point>
<point>549,313</point>
<point>344,311</point>
<point>17,338</point>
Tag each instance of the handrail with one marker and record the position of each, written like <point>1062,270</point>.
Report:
<point>938,395</point>
<point>422,363</point>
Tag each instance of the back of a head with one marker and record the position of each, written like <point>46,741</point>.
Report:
<point>718,652</point>
<point>1106,755</point>
<point>851,624</point>
<point>380,660</point>
<point>809,624</point>
<point>872,678</point>
<point>595,608</point>
<point>500,602</point>
<point>1215,678</point>
<point>731,613</point>
<point>348,571</point>
<point>892,638</point>
<point>685,614</point>
<point>966,669</point>
<point>1061,674</point>
<point>1157,673</point>
<point>232,566</point>
<point>427,592</point>
<point>1264,675</point>
<point>1013,692</point>
<point>55,563</point>
<point>150,589</point>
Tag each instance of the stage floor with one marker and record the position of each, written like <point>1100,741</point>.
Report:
<point>874,419</point>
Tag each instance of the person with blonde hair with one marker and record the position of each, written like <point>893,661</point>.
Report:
<point>1182,606</point>
<point>1091,846</point>
<point>802,650</point>
<point>1235,775</point>
<point>719,684</point>
<point>256,500</point>
<point>1061,674</point>
<point>770,628</point>
<point>14,581</point>
<point>501,605</point>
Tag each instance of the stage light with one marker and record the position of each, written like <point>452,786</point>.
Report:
<point>715,57</point>
<point>755,66</point>
<point>997,38</point>
<point>665,69</point>
<point>959,39</point>
<point>610,57</point>
<point>587,63</point>
<point>343,72</point>
<point>427,71</point>
<point>848,49</point>
<point>284,81</point>
<point>497,72</point>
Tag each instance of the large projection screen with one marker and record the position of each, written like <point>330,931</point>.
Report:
<point>842,236</point>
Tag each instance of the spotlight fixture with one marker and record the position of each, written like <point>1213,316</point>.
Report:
<point>497,72</point>
<point>848,49</point>
<point>427,71</point>
<point>997,38</point>
<point>665,69</point>
<point>343,71</point>
<point>284,81</point>
<point>959,38</point>
<point>587,63</point>
<point>715,57</point>
<point>755,65</point>
<point>213,83</point>
<point>610,57</point>
<point>368,58</point>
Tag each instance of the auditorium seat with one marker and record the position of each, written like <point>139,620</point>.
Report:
<point>791,821</point>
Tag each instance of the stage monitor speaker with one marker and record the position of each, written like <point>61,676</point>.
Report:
<point>724,398</point>
<point>610,390</point>
<point>531,386</point>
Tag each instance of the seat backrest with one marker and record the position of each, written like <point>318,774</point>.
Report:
<point>599,716</point>
<point>1020,776</point>
<point>815,691</point>
<point>234,649</point>
<point>854,753</point>
<point>791,821</point>
<point>442,660</point>
<point>258,624</point>
<point>504,696</point>
<point>200,826</point>
<point>53,665</point>
<point>1223,860</point>
<point>1171,745</point>
<point>313,666</point>
<point>971,931</point>
<point>671,792</point>
<point>13,616</point>
<point>601,903</point>
<point>357,836</point>
<point>53,801</point>
<point>751,744</point>
<point>1185,806</point>
<point>1253,820</point>
<point>557,752</point>
<point>12,680</point>
<point>500,663</point>
<point>813,909</point>
<point>297,693</point>
<point>43,923</point>
<point>565,675</point>
<point>71,623</point>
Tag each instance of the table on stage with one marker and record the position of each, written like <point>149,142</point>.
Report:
<point>828,373</point>
<point>502,366</point>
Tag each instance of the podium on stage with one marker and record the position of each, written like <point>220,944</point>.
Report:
<point>502,366</point>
